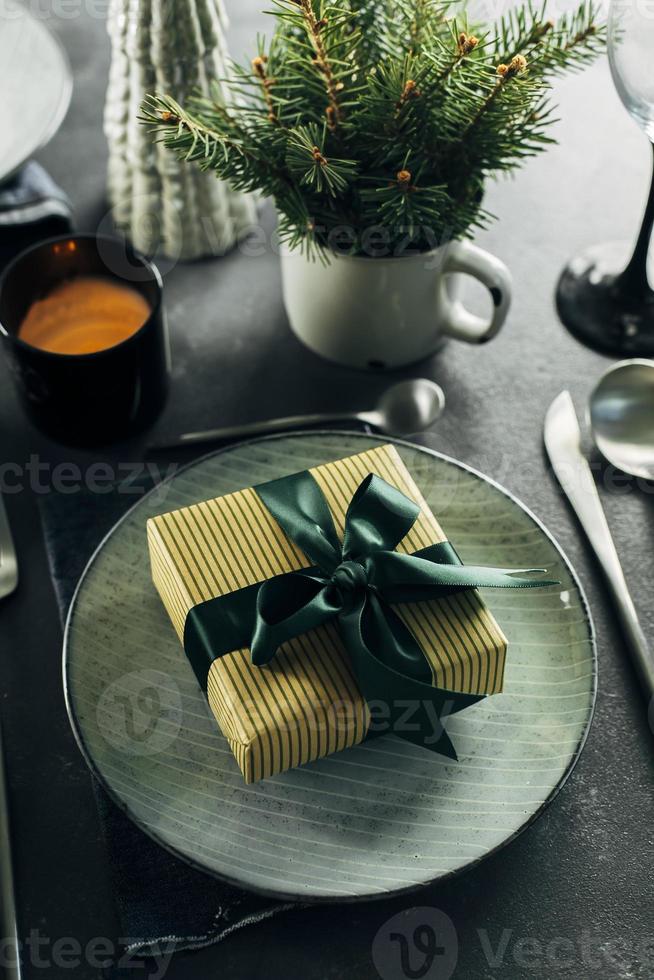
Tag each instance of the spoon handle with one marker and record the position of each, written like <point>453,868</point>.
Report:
<point>263,427</point>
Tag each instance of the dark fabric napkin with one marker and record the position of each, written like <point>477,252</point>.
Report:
<point>163,904</point>
<point>32,208</point>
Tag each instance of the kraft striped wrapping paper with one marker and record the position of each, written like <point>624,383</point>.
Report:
<point>305,704</point>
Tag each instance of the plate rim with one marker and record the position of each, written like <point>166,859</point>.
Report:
<point>58,116</point>
<point>298,898</point>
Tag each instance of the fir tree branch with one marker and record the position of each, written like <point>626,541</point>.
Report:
<point>447,58</point>
<point>315,29</point>
<point>391,112</point>
<point>307,162</point>
<point>259,68</point>
<point>551,47</point>
<point>405,205</point>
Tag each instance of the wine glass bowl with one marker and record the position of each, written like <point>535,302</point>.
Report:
<point>604,296</point>
<point>631,50</point>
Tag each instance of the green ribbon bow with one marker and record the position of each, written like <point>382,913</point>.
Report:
<point>355,583</point>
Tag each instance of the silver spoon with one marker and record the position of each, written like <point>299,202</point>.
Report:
<point>621,413</point>
<point>406,407</point>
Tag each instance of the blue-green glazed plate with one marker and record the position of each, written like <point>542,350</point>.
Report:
<point>380,818</point>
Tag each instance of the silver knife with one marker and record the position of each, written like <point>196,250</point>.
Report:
<point>563,444</point>
<point>8,563</point>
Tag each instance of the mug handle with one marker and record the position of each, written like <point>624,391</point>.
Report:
<point>459,323</point>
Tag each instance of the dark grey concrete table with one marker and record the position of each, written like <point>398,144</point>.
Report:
<point>572,897</point>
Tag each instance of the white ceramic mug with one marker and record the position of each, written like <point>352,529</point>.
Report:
<point>380,313</point>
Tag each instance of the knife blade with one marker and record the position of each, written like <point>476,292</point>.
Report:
<point>563,443</point>
<point>8,562</point>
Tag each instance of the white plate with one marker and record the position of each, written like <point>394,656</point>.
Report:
<point>35,85</point>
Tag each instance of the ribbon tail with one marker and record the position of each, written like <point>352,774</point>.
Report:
<point>443,744</point>
<point>409,578</point>
<point>406,706</point>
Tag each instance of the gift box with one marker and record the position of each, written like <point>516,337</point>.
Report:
<point>211,561</point>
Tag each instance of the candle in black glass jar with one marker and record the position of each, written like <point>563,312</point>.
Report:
<point>82,323</point>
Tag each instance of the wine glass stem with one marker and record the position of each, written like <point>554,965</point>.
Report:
<point>634,280</point>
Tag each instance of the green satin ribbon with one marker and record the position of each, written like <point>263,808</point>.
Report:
<point>354,582</point>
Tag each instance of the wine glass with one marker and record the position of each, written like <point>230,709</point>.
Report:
<point>605,308</point>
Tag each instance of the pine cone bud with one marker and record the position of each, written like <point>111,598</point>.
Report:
<point>317,156</point>
<point>404,179</point>
<point>410,91</point>
<point>518,64</point>
<point>467,43</point>
<point>259,66</point>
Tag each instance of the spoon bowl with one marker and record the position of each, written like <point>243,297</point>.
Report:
<point>621,413</point>
<point>408,406</point>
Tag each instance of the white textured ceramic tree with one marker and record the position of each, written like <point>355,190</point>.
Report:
<point>160,203</point>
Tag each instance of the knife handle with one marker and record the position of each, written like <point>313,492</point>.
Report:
<point>585,500</point>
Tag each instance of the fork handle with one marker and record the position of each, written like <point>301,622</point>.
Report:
<point>8,919</point>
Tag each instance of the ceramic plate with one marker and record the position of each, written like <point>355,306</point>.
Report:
<point>379,818</point>
<point>35,82</point>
